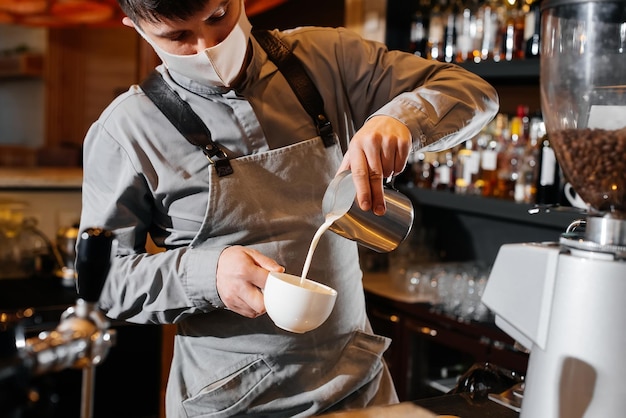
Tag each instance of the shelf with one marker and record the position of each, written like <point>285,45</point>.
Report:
<point>556,218</point>
<point>505,70</point>
<point>41,178</point>
<point>21,65</point>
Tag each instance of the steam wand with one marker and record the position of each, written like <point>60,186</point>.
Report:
<point>83,338</point>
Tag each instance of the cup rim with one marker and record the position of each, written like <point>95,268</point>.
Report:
<point>291,279</point>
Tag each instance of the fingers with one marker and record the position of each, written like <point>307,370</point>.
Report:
<point>366,161</point>
<point>345,163</point>
<point>364,178</point>
<point>368,183</point>
<point>241,276</point>
<point>264,262</point>
<point>247,301</point>
<point>377,151</point>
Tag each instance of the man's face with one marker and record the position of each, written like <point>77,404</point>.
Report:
<point>203,30</point>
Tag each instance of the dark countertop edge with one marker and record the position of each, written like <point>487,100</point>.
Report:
<point>558,218</point>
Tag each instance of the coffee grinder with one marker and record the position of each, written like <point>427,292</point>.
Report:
<point>566,301</point>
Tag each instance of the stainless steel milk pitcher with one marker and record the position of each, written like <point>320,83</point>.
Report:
<point>379,233</point>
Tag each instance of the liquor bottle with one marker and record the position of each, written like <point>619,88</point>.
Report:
<point>467,166</point>
<point>424,170</point>
<point>444,172</point>
<point>419,30</point>
<point>405,177</point>
<point>525,187</point>
<point>532,30</point>
<point>489,170</point>
<point>519,127</point>
<point>512,31</point>
<point>436,31</point>
<point>530,130</point>
<point>488,21</point>
<point>466,30</point>
<point>522,112</point>
<point>450,31</point>
<point>483,182</point>
<point>489,157</point>
<point>508,158</point>
<point>549,179</point>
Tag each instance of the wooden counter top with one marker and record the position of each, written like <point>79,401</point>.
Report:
<point>459,405</point>
<point>381,285</point>
<point>40,178</point>
<point>403,409</point>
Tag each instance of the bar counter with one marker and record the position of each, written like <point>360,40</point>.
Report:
<point>40,178</point>
<point>128,381</point>
<point>448,406</point>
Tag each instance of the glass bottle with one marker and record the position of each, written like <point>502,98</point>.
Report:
<point>444,172</point>
<point>467,166</point>
<point>525,187</point>
<point>450,31</point>
<point>532,30</point>
<point>436,31</point>
<point>489,23</point>
<point>498,51</point>
<point>489,170</point>
<point>512,34</point>
<point>466,30</point>
<point>508,159</point>
<point>487,161</point>
<point>549,179</point>
<point>405,177</point>
<point>423,170</point>
<point>419,29</point>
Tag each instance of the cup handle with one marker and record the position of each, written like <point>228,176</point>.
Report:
<point>573,197</point>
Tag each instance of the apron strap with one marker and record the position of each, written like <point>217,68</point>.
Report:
<point>185,120</point>
<point>180,114</point>
<point>300,82</point>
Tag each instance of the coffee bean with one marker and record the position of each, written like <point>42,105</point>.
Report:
<point>594,162</point>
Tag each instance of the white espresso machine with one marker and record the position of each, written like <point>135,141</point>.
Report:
<point>566,301</point>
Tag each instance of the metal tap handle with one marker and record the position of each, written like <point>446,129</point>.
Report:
<point>93,258</point>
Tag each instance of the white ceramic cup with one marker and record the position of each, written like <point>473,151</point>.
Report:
<point>297,307</point>
<point>573,197</point>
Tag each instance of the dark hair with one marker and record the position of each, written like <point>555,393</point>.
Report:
<point>155,10</point>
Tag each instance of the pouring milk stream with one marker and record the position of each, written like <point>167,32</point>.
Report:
<point>312,301</point>
<point>344,217</point>
<point>330,219</point>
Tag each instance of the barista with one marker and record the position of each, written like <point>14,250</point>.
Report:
<point>222,234</point>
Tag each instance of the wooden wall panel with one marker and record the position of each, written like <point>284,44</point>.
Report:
<point>86,68</point>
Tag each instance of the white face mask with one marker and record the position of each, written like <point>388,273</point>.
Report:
<point>215,66</point>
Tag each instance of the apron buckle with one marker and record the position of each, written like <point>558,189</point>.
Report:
<point>219,159</point>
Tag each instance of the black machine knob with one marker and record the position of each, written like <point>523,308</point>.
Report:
<point>93,261</point>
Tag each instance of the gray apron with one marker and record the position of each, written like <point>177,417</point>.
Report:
<point>227,365</point>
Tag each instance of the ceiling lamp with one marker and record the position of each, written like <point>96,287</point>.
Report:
<point>61,13</point>
<point>57,12</point>
<point>254,7</point>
